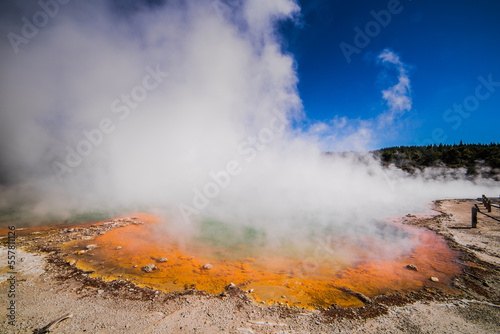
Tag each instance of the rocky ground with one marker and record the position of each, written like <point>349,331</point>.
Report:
<point>47,287</point>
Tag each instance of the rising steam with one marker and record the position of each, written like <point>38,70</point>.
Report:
<point>190,108</point>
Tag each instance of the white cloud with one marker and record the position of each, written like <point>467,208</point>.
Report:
<point>397,97</point>
<point>342,133</point>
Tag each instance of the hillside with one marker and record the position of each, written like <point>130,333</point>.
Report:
<point>478,159</point>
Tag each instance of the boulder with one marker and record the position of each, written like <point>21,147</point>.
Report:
<point>149,267</point>
<point>412,267</point>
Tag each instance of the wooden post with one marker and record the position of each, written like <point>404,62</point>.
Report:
<point>488,205</point>
<point>474,217</point>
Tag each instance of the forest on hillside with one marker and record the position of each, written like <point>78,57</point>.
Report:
<point>476,158</point>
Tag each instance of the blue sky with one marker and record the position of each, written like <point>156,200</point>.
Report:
<point>445,46</point>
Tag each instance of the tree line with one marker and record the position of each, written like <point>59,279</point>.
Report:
<point>470,156</point>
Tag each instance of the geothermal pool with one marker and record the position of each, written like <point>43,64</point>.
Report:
<point>316,272</point>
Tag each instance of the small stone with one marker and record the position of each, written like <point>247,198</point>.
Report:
<point>412,267</point>
<point>250,291</point>
<point>135,266</point>
<point>71,262</point>
<point>80,252</point>
<point>100,292</point>
<point>162,259</point>
<point>231,286</point>
<point>149,267</point>
<point>207,266</point>
<point>118,247</point>
<point>92,246</point>
<point>434,279</point>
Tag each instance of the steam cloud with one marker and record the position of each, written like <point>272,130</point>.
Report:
<point>193,110</point>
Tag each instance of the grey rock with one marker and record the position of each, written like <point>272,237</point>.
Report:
<point>149,267</point>
<point>412,267</point>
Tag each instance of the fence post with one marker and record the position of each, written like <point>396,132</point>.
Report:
<point>474,217</point>
<point>488,205</point>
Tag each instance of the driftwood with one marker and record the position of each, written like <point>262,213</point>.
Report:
<point>52,324</point>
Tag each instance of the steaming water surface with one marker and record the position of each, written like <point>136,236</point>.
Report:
<point>308,272</point>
